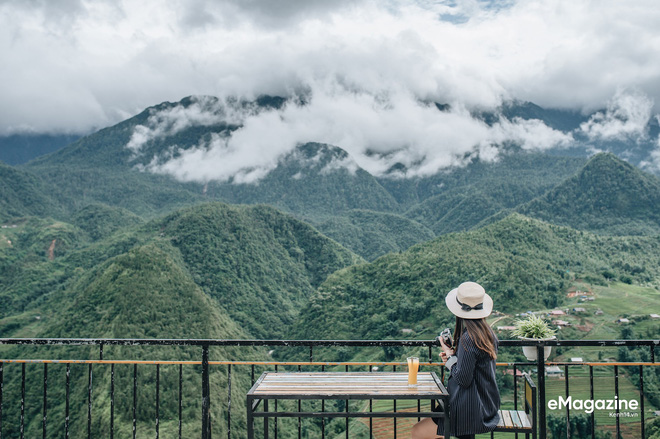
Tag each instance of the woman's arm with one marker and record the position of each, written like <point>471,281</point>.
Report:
<point>463,363</point>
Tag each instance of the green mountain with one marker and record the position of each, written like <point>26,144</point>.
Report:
<point>372,234</point>
<point>101,221</point>
<point>313,181</point>
<point>23,194</point>
<point>31,261</point>
<point>318,183</point>
<point>460,200</point>
<point>523,263</point>
<point>144,293</point>
<point>608,196</point>
<point>99,168</point>
<point>257,263</point>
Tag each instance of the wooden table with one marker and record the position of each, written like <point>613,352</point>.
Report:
<point>343,386</point>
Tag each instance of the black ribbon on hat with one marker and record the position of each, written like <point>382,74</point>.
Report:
<point>466,307</point>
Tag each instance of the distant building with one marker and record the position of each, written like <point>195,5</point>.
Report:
<point>577,360</point>
<point>553,371</point>
<point>599,312</point>
<point>655,316</point>
<point>407,331</point>
<point>557,312</point>
<point>561,323</point>
<point>579,309</point>
<point>623,320</point>
<point>510,372</point>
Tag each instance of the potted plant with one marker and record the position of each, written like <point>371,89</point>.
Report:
<point>534,328</point>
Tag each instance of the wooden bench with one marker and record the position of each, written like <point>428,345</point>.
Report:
<point>521,421</point>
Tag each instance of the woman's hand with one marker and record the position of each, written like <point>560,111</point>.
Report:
<point>446,350</point>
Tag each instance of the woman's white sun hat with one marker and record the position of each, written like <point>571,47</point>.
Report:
<point>469,301</point>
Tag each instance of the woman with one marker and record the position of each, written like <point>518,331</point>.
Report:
<point>473,395</point>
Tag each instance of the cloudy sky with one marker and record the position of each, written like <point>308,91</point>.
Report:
<point>78,65</point>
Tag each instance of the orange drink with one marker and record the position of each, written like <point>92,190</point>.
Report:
<point>413,367</point>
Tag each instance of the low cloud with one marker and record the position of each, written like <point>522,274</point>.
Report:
<point>202,111</point>
<point>627,116</point>
<point>378,130</point>
<point>77,65</point>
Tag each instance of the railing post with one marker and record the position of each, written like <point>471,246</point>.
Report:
<point>206,394</point>
<point>540,368</point>
<point>2,385</point>
<point>45,409</point>
<point>641,397</point>
<point>616,394</point>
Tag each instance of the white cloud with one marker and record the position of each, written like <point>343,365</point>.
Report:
<point>377,130</point>
<point>530,134</point>
<point>78,64</point>
<point>627,116</point>
<point>203,111</point>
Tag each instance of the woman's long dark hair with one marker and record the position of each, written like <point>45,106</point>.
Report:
<point>480,333</point>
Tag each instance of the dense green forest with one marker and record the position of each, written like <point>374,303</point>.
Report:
<point>251,260</point>
<point>523,263</point>
<point>607,196</point>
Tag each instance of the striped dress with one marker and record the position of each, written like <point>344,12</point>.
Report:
<point>474,398</point>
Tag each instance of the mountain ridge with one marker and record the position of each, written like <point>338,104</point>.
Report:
<point>523,263</point>
<point>608,196</point>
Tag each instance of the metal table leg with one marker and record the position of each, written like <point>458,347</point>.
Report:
<point>250,419</point>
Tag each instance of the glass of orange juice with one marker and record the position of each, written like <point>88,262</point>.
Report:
<point>413,367</point>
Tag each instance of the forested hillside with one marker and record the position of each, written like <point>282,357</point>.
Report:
<point>607,196</point>
<point>23,194</point>
<point>258,264</point>
<point>373,234</point>
<point>523,263</point>
<point>460,200</point>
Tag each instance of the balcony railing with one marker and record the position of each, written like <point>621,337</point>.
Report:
<point>192,388</point>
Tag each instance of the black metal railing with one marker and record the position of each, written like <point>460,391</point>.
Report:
<point>204,366</point>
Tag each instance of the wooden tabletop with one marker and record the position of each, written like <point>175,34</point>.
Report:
<point>354,385</point>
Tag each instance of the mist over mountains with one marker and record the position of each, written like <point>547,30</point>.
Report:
<point>526,151</point>
<point>117,193</point>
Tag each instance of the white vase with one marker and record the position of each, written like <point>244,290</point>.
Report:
<point>531,352</point>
